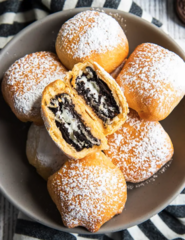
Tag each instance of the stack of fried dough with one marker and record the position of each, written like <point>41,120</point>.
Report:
<point>95,115</point>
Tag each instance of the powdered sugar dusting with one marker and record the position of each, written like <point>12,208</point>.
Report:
<point>156,74</point>
<point>119,18</point>
<point>87,192</point>
<point>48,154</point>
<point>43,150</point>
<point>27,78</point>
<point>94,32</point>
<point>139,148</point>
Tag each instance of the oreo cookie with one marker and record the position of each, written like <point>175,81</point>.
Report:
<point>70,124</point>
<point>180,9</point>
<point>97,95</point>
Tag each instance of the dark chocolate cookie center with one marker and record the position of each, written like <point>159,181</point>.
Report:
<point>97,95</point>
<point>70,123</point>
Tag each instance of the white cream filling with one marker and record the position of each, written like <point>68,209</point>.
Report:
<point>92,86</point>
<point>72,124</point>
<point>54,103</point>
<point>95,91</point>
<point>101,106</point>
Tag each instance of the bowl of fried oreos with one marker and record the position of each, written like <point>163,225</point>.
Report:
<point>92,124</point>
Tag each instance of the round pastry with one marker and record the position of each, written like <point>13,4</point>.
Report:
<point>153,81</point>
<point>88,192</point>
<point>92,35</point>
<point>68,122</point>
<point>139,148</point>
<point>42,152</point>
<point>25,80</point>
<point>102,95</point>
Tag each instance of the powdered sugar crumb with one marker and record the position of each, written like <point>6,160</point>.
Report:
<point>93,32</point>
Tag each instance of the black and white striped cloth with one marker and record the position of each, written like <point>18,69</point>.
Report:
<point>17,14</point>
<point>168,224</point>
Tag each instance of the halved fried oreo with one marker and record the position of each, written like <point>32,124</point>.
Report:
<point>102,95</point>
<point>68,122</point>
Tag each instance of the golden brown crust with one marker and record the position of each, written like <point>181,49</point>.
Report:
<point>139,148</point>
<point>115,90</point>
<point>77,41</point>
<point>25,80</point>
<point>88,192</point>
<point>50,92</point>
<point>8,95</point>
<point>152,81</point>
